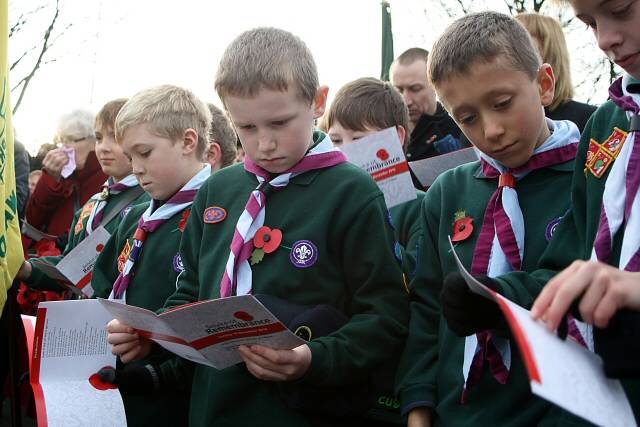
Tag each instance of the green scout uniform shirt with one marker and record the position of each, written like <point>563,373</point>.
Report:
<point>430,372</point>
<point>342,212</point>
<point>407,227</point>
<point>77,234</point>
<point>154,280</point>
<point>574,236</point>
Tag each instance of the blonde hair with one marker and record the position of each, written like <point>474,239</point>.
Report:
<point>168,111</point>
<point>222,133</point>
<point>368,103</point>
<point>553,49</point>
<point>482,37</point>
<point>266,58</point>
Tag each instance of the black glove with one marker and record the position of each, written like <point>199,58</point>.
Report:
<point>619,344</point>
<point>133,378</point>
<point>466,312</point>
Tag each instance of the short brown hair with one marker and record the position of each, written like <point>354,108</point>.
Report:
<point>106,118</point>
<point>368,103</point>
<point>168,111</point>
<point>482,37</point>
<point>223,134</point>
<point>266,58</point>
<point>412,55</point>
<point>553,49</point>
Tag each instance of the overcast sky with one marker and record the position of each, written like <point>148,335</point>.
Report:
<point>117,47</point>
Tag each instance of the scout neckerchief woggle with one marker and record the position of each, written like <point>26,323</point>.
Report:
<point>620,201</point>
<point>500,246</point>
<point>150,221</point>
<point>237,278</point>
<point>109,188</point>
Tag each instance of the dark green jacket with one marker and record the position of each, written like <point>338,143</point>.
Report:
<point>78,232</point>
<point>430,372</point>
<point>342,212</point>
<point>407,226</point>
<point>156,271</point>
<point>576,232</point>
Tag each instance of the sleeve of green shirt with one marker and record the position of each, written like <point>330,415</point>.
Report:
<point>569,241</point>
<point>378,301</point>
<point>40,281</point>
<point>416,378</point>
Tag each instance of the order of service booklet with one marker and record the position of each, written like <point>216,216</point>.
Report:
<point>69,346</point>
<point>560,371</point>
<point>208,332</point>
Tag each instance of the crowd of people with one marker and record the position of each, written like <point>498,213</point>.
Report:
<point>547,217</point>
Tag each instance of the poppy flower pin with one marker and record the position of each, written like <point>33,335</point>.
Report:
<point>462,226</point>
<point>183,220</point>
<point>265,241</point>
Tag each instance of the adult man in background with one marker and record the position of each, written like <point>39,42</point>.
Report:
<point>433,131</point>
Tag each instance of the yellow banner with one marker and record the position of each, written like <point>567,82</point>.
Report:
<point>10,243</point>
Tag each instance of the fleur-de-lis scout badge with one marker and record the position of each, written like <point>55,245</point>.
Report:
<point>551,228</point>
<point>462,226</point>
<point>104,195</point>
<point>303,254</point>
<point>600,156</point>
<point>265,241</point>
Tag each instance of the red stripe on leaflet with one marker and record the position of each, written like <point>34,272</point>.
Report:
<point>390,171</point>
<point>86,279</point>
<point>253,331</point>
<point>523,342</point>
<point>36,358</point>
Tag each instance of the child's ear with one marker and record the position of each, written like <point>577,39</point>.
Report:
<point>320,101</point>
<point>546,84</point>
<point>189,141</point>
<point>214,155</point>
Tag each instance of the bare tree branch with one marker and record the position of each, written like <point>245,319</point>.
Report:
<point>17,61</point>
<point>45,46</point>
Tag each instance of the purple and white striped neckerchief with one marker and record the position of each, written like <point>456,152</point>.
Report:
<point>620,201</point>
<point>150,221</point>
<point>97,213</point>
<point>237,278</point>
<point>500,246</point>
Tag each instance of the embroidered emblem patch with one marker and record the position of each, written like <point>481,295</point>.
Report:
<point>124,256</point>
<point>304,254</point>
<point>551,228</point>
<point>397,251</point>
<point>125,211</point>
<point>177,263</point>
<point>214,214</point>
<point>600,156</point>
<point>84,214</point>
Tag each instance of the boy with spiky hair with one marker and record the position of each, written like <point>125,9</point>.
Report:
<point>360,108</point>
<point>318,231</point>
<point>164,131</point>
<point>460,366</point>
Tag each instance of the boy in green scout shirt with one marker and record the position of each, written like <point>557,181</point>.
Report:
<point>459,366</point>
<point>360,108</point>
<point>313,232</point>
<point>121,185</point>
<point>596,247</point>
<point>164,130</point>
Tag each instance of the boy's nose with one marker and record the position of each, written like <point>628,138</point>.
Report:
<point>136,168</point>
<point>266,142</point>
<point>609,38</point>
<point>493,130</point>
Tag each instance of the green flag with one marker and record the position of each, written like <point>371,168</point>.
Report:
<point>387,41</point>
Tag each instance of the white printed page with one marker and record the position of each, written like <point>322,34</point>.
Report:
<point>69,348</point>
<point>381,155</point>
<point>427,170</point>
<point>560,371</point>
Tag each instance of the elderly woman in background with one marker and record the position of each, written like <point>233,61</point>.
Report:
<point>70,175</point>
<point>552,47</point>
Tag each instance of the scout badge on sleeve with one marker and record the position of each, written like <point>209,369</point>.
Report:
<point>600,156</point>
<point>214,215</point>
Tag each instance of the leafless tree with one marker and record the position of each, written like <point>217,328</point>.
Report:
<point>36,55</point>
